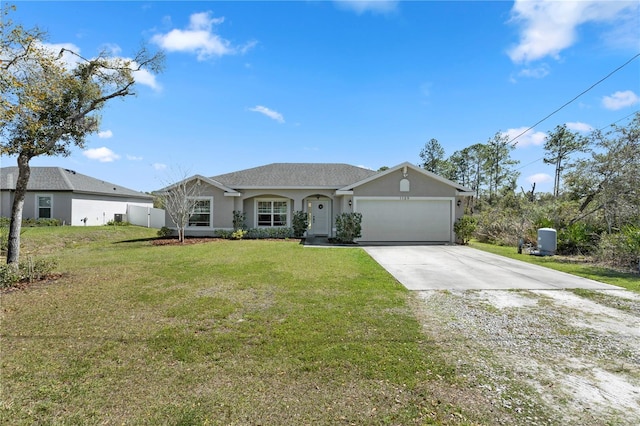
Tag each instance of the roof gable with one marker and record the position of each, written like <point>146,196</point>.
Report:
<point>59,179</point>
<point>295,175</point>
<point>408,165</point>
<point>197,178</point>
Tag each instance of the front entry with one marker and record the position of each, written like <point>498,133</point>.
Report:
<point>319,217</point>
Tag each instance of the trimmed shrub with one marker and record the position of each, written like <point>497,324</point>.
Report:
<point>164,232</point>
<point>348,227</point>
<point>300,223</point>
<point>266,233</point>
<point>41,222</point>
<point>465,227</point>
<point>116,223</point>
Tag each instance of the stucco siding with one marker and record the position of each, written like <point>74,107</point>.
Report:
<point>5,203</point>
<point>419,186</point>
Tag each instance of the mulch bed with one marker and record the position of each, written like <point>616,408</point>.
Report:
<point>194,240</point>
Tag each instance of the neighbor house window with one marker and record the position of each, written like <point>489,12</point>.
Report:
<point>202,213</point>
<point>43,203</point>
<point>272,213</point>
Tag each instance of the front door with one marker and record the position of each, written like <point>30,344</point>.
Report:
<point>319,217</point>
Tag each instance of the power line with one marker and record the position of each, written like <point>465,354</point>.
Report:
<point>576,97</point>
<point>600,129</point>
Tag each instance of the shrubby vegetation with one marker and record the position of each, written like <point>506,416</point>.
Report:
<point>595,203</point>
<point>4,222</point>
<point>348,227</point>
<point>465,227</point>
<point>118,223</point>
<point>255,233</point>
<point>33,269</point>
<point>300,223</point>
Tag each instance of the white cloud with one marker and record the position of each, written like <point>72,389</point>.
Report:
<point>549,26</point>
<point>620,100</point>
<point>133,158</point>
<point>199,38</point>
<point>106,134</point>
<point>579,127</point>
<point>103,154</point>
<point>69,59</point>
<point>269,113</point>
<point>141,76</point>
<point>146,78</point>
<point>373,6</point>
<point>159,166</point>
<point>540,71</point>
<point>539,178</point>
<point>530,138</point>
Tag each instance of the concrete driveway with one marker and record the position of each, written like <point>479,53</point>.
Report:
<point>439,267</point>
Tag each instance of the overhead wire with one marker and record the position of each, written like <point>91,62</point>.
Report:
<point>600,129</point>
<point>515,142</point>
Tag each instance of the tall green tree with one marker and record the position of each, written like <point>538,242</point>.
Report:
<point>46,107</point>
<point>607,184</point>
<point>432,156</point>
<point>476,154</point>
<point>559,145</point>
<point>498,164</point>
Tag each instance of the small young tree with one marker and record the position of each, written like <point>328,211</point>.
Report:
<point>180,200</point>
<point>239,218</point>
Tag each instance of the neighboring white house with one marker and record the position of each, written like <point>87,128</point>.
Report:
<point>72,198</point>
<point>404,203</point>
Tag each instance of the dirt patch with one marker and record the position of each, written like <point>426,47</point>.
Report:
<point>550,357</point>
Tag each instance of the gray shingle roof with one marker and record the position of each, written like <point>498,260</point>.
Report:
<point>59,179</point>
<point>295,175</point>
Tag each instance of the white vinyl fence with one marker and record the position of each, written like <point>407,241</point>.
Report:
<point>145,216</point>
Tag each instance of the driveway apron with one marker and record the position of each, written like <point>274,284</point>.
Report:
<point>441,267</point>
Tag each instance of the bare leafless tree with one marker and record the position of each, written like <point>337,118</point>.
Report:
<point>179,200</point>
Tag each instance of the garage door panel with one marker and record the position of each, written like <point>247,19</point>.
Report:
<point>405,220</point>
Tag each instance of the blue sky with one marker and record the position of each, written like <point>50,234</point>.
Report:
<point>360,82</point>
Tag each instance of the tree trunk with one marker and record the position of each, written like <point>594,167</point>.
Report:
<point>24,172</point>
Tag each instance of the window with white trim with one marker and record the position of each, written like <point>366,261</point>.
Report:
<point>43,204</point>
<point>272,213</point>
<point>202,213</point>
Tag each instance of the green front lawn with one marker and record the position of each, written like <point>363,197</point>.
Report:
<point>630,281</point>
<point>224,332</point>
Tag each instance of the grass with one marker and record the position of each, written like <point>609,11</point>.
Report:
<point>226,332</point>
<point>630,281</point>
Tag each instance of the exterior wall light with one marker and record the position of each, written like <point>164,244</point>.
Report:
<point>458,203</point>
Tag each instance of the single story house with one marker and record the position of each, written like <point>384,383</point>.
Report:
<point>72,198</point>
<point>404,203</point>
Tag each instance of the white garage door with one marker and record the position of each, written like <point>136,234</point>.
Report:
<point>426,220</point>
